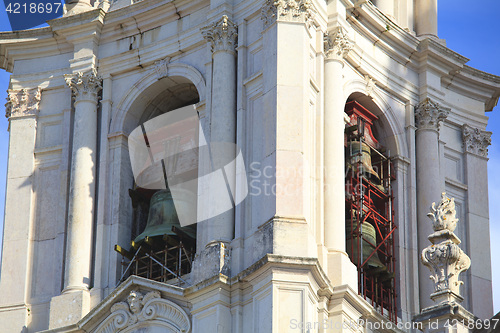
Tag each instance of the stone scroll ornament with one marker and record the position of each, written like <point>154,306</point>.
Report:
<point>140,308</point>
<point>444,258</point>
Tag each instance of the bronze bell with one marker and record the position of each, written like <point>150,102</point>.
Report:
<point>366,160</point>
<point>369,236</point>
<point>162,217</point>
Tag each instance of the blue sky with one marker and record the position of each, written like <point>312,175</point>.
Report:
<point>471,28</point>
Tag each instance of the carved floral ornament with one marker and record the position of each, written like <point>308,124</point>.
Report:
<point>222,35</point>
<point>23,102</point>
<point>476,141</point>
<point>287,10</point>
<point>444,258</point>
<point>139,309</point>
<point>429,115</point>
<point>337,44</point>
<point>85,86</point>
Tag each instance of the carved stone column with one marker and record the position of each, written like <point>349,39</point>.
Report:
<point>428,117</point>
<point>222,36</point>
<point>85,88</point>
<point>340,269</point>
<point>446,261</point>
<point>475,143</point>
<point>426,18</point>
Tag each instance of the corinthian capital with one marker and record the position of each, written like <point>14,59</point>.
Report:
<point>23,102</point>
<point>85,86</point>
<point>286,10</point>
<point>475,140</point>
<point>429,115</point>
<point>221,35</point>
<point>337,45</point>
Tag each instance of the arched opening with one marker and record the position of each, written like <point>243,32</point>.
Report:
<point>370,223</point>
<point>160,249</point>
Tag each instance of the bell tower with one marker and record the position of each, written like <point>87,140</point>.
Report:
<point>233,166</point>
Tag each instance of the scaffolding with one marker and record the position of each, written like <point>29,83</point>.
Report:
<point>162,258</point>
<point>370,225</point>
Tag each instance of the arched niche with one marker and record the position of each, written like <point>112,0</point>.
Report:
<point>383,127</point>
<point>149,97</point>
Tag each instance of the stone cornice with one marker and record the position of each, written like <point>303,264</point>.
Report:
<point>287,11</point>
<point>429,115</point>
<point>476,141</point>
<point>221,35</point>
<point>23,102</point>
<point>85,86</point>
<point>337,44</point>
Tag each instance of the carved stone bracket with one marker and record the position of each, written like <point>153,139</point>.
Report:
<point>429,115</point>
<point>23,102</point>
<point>85,86</point>
<point>161,68</point>
<point>476,141</point>
<point>287,11</point>
<point>337,44</point>
<point>141,308</point>
<point>222,35</point>
<point>444,258</point>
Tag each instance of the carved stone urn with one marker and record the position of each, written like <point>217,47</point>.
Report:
<point>444,258</point>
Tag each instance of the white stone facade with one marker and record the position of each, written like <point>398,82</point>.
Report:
<point>272,77</point>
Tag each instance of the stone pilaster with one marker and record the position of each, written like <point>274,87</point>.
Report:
<point>428,117</point>
<point>475,145</point>
<point>21,109</point>
<point>85,88</point>
<point>340,269</point>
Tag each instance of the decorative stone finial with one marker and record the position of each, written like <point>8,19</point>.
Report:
<point>85,86</point>
<point>476,141</point>
<point>429,115</point>
<point>337,45</point>
<point>286,10</point>
<point>444,258</point>
<point>23,102</point>
<point>444,216</point>
<point>221,35</point>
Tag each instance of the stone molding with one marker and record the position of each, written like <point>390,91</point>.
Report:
<point>287,11</point>
<point>161,68</point>
<point>444,258</point>
<point>85,86</point>
<point>429,115</point>
<point>222,35</point>
<point>23,102</point>
<point>215,259</point>
<point>476,141</point>
<point>141,308</point>
<point>337,45</point>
